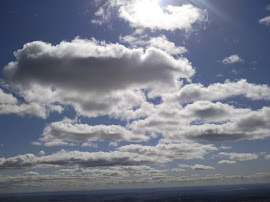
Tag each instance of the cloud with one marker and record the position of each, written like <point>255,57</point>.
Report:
<point>268,7</point>
<point>232,59</point>
<point>74,158</point>
<point>267,157</point>
<point>204,120</point>
<point>219,91</point>
<point>67,131</point>
<point>160,42</point>
<point>128,155</point>
<point>171,151</point>
<point>265,21</point>
<point>94,77</point>
<point>89,144</point>
<point>10,105</point>
<point>202,167</point>
<point>226,162</point>
<point>41,153</point>
<point>196,167</point>
<point>150,14</point>
<point>224,147</point>
<point>24,109</point>
<point>7,98</point>
<point>240,156</point>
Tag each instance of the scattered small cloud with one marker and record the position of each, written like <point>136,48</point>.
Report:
<point>41,153</point>
<point>232,59</point>
<point>226,162</point>
<point>265,21</point>
<point>240,156</point>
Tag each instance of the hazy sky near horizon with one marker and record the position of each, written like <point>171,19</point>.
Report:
<point>133,93</point>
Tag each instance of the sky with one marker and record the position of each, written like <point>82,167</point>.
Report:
<point>133,94</point>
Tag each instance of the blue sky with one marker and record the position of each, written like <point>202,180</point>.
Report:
<point>126,94</point>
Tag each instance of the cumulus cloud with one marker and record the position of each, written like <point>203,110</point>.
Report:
<point>128,155</point>
<point>202,167</point>
<point>171,150</point>
<point>239,156</point>
<point>10,105</point>
<point>67,131</point>
<point>219,91</point>
<point>150,14</point>
<point>265,20</point>
<point>41,153</point>
<point>7,98</point>
<point>196,167</point>
<point>74,158</point>
<point>204,120</point>
<point>94,77</point>
<point>226,162</point>
<point>160,42</point>
<point>232,59</point>
<point>225,147</point>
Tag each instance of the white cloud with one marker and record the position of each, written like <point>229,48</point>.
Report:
<point>196,167</point>
<point>41,153</point>
<point>74,158</point>
<point>240,156</point>
<point>204,120</point>
<point>89,144</point>
<point>66,131</point>
<point>10,105</point>
<point>170,151</point>
<point>160,42</point>
<point>219,91</point>
<point>265,20</point>
<point>232,59</point>
<point>107,78</point>
<point>226,162</point>
<point>224,147</point>
<point>150,14</point>
<point>267,157</point>
<point>7,98</point>
<point>202,167</point>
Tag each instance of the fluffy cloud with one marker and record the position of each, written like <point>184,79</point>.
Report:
<point>150,14</point>
<point>196,167</point>
<point>74,158</point>
<point>202,167</point>
<point>226,162</point>
<point>68,131</point>
<point>232,59</point>
<point>239,156</point>
<point>7,98</point>
<point>219,91</point>
<point>10,105</point>
<point>160,42</point>
<point>171,150</point>
<point>204,120</point>
<point>265,20</point>
<point>128,155</point>
<point>95,77</point>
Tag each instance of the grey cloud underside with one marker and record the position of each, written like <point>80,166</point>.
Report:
<point>215,122</point>
<point>96,70</point>
<point>73,158</point>
<point>126,156</point>
<point>68,131</point>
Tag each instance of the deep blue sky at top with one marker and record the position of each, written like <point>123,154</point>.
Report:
<point>235,31</point>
